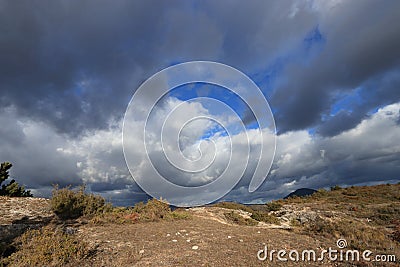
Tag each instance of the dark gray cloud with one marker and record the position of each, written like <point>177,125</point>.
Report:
<point>76,64</point>
<point>343,120</point>
<point>35,152</point>
<point>375,92</point>
<point>362,45</point>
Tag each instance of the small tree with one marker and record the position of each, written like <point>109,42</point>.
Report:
<point>12,189</point>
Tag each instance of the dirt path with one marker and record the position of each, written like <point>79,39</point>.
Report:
<point>197,242</point>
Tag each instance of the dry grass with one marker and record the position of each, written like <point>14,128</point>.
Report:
<point>366,216</point>
<point>358,235</point>
<point>48,247</point>
<point>153,210</point>
<point>379,204</point>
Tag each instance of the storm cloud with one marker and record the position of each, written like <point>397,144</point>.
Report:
<point>329,69</point>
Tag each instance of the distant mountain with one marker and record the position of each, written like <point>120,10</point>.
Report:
<point>302,192</point>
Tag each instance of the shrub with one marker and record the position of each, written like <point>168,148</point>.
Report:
<point>273,206</point>
<point>336,187</point>
<point>233,206</point>
<point>238,219</point>
<point>69,204</point>
<point>48,247</point>
<point>265,217</point>
<point>153,210</point>
<point>12,189</point>
<point>179,215</point>
<point>295,223</point>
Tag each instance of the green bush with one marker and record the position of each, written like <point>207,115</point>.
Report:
<point>69,204</point>
<point>12,189</point>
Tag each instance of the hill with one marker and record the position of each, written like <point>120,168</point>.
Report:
<point>301,192</point>
<point>225,234</point>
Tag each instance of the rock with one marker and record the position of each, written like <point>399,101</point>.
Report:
<point>17,214</point>
<point>195,247</point>
<point>70,230</point>
<point>290,213</point>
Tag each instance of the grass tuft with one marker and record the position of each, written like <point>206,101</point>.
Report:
<point>48,247</point>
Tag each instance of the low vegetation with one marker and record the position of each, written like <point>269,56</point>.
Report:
<point>273,206</point>
<point>380,204</point>
<point>70,204</point>
<point>258,213</point>
<point>236,218</point>
<point>358,235</point>
<point>233,206</point>
<point>48,247</point>
<point>151,211</point>
<point>368,217</point>
<point>265,217</point>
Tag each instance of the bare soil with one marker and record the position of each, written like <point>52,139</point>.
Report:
<point>207,239</point>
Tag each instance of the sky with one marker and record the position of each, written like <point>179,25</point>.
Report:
<point>330,71</point>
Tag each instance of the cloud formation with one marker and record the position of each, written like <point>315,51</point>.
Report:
<point>330,70</point>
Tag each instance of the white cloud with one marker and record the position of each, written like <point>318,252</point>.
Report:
<point>339,158</point>
<point>367,153</point>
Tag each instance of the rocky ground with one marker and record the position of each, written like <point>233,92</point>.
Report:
<point>17,214</point>
<point>207,239</point>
